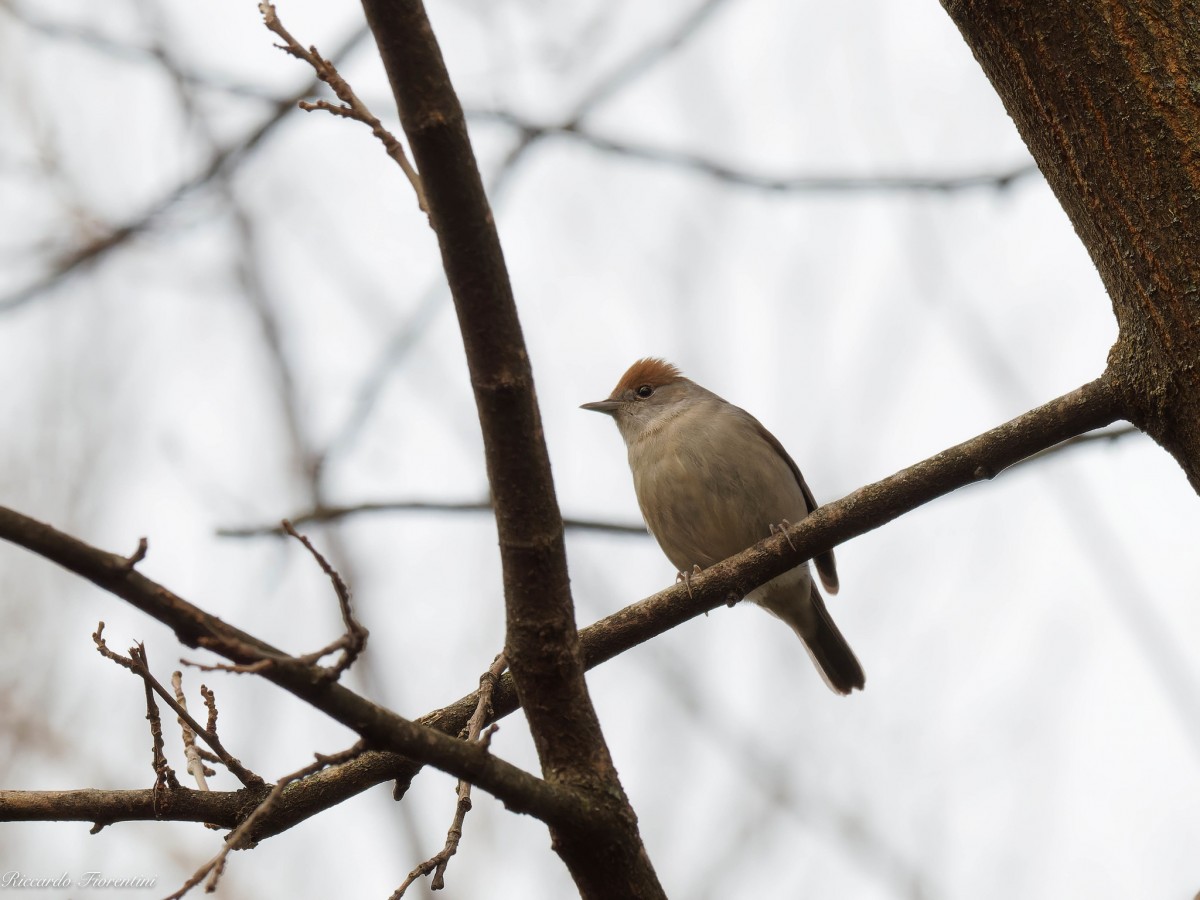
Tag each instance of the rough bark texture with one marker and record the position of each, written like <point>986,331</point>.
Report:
<point>542,643</point>
<point>1107,96</point>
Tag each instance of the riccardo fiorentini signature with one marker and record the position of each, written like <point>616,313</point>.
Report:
<point>14,880</point>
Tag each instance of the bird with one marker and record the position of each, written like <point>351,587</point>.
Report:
<point>711,481</point>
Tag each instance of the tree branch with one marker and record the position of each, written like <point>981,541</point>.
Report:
<point>136,663</point>
<point>436,864</point>
<point>210,872</point>
<point>1104,95</point>
<point>336,512</point>
<point>299,801</point>
<point>352,107</point>
<point>981,458</point>
<point>1091,406</point>
<point>381,727</point>
<point>720,171</point>
<point>542,643</point>
<point>221,162</point>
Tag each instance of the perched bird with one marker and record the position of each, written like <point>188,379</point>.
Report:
<point>711,481</point>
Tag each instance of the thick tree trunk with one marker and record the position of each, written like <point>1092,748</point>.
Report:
<point>1107,96</point>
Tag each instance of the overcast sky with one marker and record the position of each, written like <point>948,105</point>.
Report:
<point>1031,722</point>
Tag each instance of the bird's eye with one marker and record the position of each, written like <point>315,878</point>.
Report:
<point>644,391</point>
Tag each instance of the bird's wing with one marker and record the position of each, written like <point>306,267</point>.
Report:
<point>826,565</point>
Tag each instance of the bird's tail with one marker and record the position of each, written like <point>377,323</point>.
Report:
<point>829,651</point>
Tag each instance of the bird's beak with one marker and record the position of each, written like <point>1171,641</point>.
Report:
<point>608,407</point>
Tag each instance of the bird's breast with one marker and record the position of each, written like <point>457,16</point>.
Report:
<point>709,486</point>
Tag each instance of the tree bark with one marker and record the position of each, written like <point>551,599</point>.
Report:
<point>604,851</point>
<point>1107,96</point>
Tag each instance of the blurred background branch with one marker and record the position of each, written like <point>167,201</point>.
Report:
<point>249,320</point>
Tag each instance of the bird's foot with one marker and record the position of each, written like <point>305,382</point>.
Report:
<point>686,578</point>
<point>782,528</point>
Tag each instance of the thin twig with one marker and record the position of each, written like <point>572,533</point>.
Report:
<point>334,513</point>
<point>138,555</point>
<point>254,668</point>
<point>625,73</point>
<point>742,177</point>
<point>136,664</point>
<point>164,775</point>
<point>239,837</point>
<point>483,712</point>
<point>210,701</point>
<point>99,41</point>
<point>642,60</point>
<point>222,162</point>
<point>352,108</point>
<point>352,642</point>
<point>195,765</point>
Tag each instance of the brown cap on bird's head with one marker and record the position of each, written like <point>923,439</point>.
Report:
<point>651,370</point>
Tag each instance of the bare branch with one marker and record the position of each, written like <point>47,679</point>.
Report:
<point>350,643</point>
<point>1091,406</point>
<point>104,807</point>
<point>385,729</point>
<point>334,513</point>
<point>139,554</point>
<point>136,663</point>
<point>354,640</point>
<point>300,801</point>
<point>721,171</point>
<point>352,107</point>
<point>437,863</point>
<point>100,42</point>
<point>624,74</point>
<point>195,765</point>
<point>572,126</point>
<point>210,701</point>
<point>164,775</point>
<point>221,162</point>
<point>212,869</point>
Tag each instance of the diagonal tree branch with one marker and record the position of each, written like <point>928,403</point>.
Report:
<point>1092,406</point>
<point>521,791</point>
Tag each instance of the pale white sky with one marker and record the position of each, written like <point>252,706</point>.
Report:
<point>1030,726</point>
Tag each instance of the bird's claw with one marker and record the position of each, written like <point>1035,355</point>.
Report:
<point>782,528</point>
<point>686,578</point>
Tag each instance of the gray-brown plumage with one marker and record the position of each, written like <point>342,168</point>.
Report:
<point>711,481</point>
